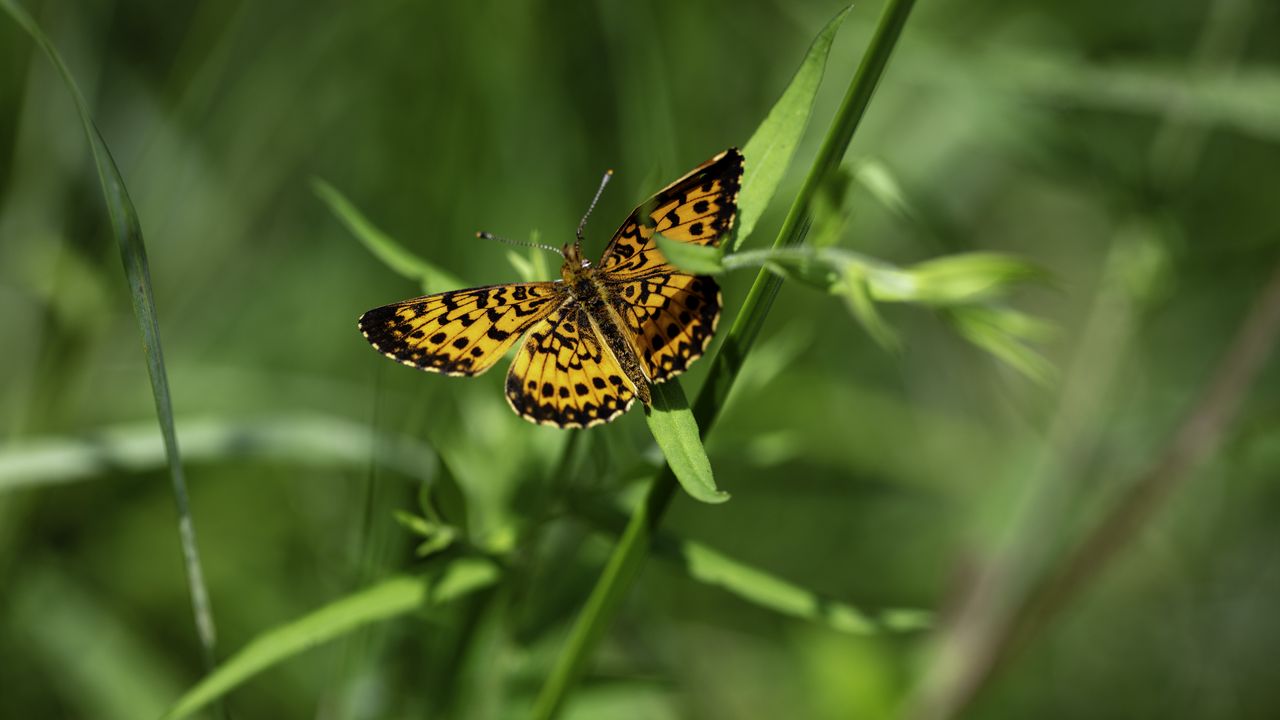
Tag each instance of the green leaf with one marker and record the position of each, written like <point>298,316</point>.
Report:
<point>389,598</point>
<point>820,268</point>
<point>435,536</point>
<point>876,177</point>
<point>853,289</point>
<point>756,585</point>
<point>997,333</point>
<point>769,151</point>
<point>954,279</point>
<point>523,266</point>
<point>709,566</point>
<point>672,424</point>
<point>127,230</point>
<point>697,259</point>
<point>383,246</point>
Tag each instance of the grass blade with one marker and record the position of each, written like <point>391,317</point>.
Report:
<point>307,440</point>
<point>383,246</point>
<point>389,598</point>
<point>672,424</point>
<point>127,230</point>
<point>771,147</point>
<point>761,587</point>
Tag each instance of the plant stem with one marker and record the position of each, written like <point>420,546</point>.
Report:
<point>633,547</point>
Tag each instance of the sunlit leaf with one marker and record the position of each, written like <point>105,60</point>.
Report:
<point>768,153</point>
<point>963,278</point>
<point>697,259</point>
<point>388,599</point>
<point>853,290</point>
<point>674,428</point>
<point>983,328</point>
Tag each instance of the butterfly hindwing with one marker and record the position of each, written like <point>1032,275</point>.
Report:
<point>564,376</point>
<point>463,332</point>
<point>699,208</point>
<point>671,317</point>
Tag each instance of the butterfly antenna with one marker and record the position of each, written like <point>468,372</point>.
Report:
<point>521,243</point>
<point>599,191</point>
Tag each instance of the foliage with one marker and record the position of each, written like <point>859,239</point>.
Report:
<point>1054,223</point>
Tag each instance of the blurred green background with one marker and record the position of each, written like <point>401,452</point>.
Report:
<point>1132,149</point>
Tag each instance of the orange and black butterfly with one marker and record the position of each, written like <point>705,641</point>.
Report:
<point>598,336</point>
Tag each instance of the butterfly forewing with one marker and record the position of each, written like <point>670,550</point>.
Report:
<point>671,315</point>
<point>463,332</point>
<point>564,375</point>
<point>699,208</point>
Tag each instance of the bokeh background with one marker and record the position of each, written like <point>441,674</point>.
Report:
<point>1131,149</point>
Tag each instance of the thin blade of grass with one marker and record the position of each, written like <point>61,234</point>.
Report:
<point>127,230</point>
<point>383,246</point>
<point>761,587</point>
<point>304,439</point>
<point>389,598</point>
<point>672,424</point>
<point>770,149</point>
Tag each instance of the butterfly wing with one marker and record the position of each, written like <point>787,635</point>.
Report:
<point>564,376</point>
<point>671,318</point>
<point>671,315</point>
<point>463,332</point>
<point>698,208</point>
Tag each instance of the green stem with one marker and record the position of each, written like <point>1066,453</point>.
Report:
<point>633,547</point>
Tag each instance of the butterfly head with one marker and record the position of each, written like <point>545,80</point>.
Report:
<point>574,262</point>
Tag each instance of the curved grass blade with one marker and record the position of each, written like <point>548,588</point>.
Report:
<point>761,587</point>
<point>672,424</point>
<point>389,598</point>
<point>770,149</point>
<point>383,246</point>
<point>127,230</point>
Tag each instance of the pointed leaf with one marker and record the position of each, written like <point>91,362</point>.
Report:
<point>697,259</point>
<point>383,246</point>
<point>387,599</point>
<point>673,427</point>
<point>768,153</point>
<point>963,278</point>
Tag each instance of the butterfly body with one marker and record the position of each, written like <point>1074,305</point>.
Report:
<point>591,290</point>
<point>598,336</point>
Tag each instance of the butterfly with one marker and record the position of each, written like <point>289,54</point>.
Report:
<point>599,335</point>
